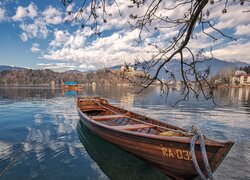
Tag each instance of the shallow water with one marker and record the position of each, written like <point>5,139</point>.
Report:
<point>41,137</point>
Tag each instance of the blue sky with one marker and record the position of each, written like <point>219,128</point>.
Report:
<point>34,35</point>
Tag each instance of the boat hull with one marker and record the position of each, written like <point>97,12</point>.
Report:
<point>72,88</point>
<point>171,157</point>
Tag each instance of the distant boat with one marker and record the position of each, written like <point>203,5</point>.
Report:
<point>164,146</point>
<point>70,85</point>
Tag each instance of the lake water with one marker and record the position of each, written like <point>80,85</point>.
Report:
<point>41,137</point>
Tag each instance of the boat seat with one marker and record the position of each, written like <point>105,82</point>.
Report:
<point>92,108</point>
<point>171,133</point>
<point>134,126</point>
<point>107,117</point>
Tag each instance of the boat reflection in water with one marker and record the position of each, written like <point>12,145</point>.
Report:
<point>69,93</point>
<point>114,162</point>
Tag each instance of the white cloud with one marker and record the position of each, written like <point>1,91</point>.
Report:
<point>52,15</point>
<point>35,23</point>
<point>20,14</point>
<point>37,29</point>
<point>30,29</point>
<point>103,52</point>
<point>2,14</point>
<point>66,40</point>
<point>43,30</point>
<point>70,7</point>
<point>35,47</point>
<point>60,37</point>
<point>243,30</point>
<point>78,50</point>
<point>25,12</point>
<point>120,47</point>
<point>235,50</point>
<point>32,10</point>
<point>233,18</point>
<point>84,66</point>
<point>58,66</point>
<point>24,37</point>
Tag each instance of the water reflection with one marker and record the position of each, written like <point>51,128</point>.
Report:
<point>45,133</point>
<point>69,93</point>
<point>229,96</point>
<point>5,150</point>
<point>44,123</point>
<point>20,94</point>
<point>115,163</point>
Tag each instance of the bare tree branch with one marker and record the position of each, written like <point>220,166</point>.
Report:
<point>195,18</point>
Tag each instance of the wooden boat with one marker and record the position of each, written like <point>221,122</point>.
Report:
<point>164,146</point>
<point>72,86</point>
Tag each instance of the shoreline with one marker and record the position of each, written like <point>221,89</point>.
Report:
<point>233,86</point>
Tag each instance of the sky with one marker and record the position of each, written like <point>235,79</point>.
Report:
<point>36,34</point>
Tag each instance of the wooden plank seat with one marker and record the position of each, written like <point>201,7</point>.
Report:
<point>107,117</point>
<point>134,126</point>
<point>92,108</point>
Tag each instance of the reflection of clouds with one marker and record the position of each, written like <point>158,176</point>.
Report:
<point>247,155</point>
<point>5,150</point>
<point>62,128</point>
<point>37,119</point>
<point>27,147</point>
<point>35,142</point>
<point>72,150</point>
<point>54,135</point>
<point>63,113</point>
<point>62,122</point>
<point>127,99</point>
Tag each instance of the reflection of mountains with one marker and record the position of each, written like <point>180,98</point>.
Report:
<point>114,162</point>
<point>28,93</point>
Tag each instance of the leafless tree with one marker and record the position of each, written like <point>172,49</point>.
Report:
<point>194,19</point>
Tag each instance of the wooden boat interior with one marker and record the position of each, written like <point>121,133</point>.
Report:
<point>102,112</point>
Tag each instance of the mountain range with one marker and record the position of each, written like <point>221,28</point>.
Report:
<point>215,65</point>
<point>8,68</point>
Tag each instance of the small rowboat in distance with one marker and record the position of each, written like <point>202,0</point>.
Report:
<point>164,146</point>
<point>72,86</point>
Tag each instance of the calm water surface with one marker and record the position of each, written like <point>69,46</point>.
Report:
<point>41,137</point>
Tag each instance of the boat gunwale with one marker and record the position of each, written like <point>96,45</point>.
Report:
<point>187,140</point>
<point>219,149</point>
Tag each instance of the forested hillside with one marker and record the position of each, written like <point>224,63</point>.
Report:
<point>29,77</point>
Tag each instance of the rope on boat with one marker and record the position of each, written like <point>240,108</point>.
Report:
<point>200,137</point>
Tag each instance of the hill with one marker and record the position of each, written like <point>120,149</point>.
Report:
<point>215,65</point>
<point>8,68</point>
<point>73,72</point>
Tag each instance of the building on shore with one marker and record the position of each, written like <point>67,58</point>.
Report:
<point>240,78</point>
